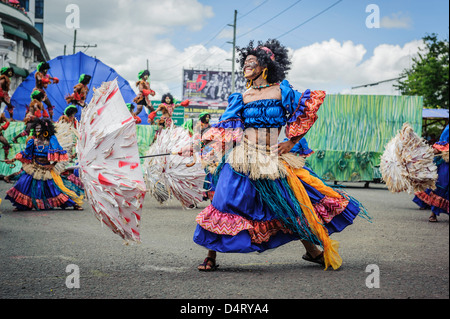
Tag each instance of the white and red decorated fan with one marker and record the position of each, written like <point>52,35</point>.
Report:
<point>109,162</point>
<point>174,175</point>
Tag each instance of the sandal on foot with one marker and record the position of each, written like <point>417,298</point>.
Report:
<point>211,262</point>
<point>432,219</point>
<point>318,259</point>
<point>77,207</point>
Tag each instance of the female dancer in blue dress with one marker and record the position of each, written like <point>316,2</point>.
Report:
<point>264,195</point>
<point>39,186</point>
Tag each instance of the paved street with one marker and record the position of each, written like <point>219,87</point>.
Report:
<point>411,254</point>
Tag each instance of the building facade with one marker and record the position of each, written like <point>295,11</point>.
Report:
<point>22,45</point>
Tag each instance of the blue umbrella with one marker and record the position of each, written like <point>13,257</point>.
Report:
<point>68,68</point>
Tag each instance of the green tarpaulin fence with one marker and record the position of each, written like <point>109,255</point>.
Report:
<point>351,132</point>
<point>348,138</point>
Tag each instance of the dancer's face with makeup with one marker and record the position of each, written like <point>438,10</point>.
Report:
<point>251,67</point>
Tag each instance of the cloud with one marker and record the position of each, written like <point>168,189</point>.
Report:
<point>128,33</point>
<point>334,66</point>
<point>396,21</point>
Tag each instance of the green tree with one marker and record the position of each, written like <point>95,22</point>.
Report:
<point>428,75</point>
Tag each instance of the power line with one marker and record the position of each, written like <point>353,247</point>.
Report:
<point>246,14</point>
<point>210,40</point>
<point>313,17</point>
<point>275,16</point>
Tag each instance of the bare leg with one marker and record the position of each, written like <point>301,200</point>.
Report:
<point>6,145</point>
<point>138,109</point>
<point>311,248</point>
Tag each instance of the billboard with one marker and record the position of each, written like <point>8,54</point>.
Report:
<point>208,91</point>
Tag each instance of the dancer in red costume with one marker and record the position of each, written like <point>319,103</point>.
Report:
<point>80,91</point>
<point>166,107</point>
<point>143,99</point>
<point>43,79</point>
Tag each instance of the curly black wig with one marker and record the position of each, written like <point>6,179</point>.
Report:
<point>85,79</point>
<point>278,64</point>
<point>46,125</point>
<point>71,110</point>
<point>163,99</point>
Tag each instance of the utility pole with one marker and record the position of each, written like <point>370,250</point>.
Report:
<point>74,40</point>
<point>233,59</point>
<point>80,46</point>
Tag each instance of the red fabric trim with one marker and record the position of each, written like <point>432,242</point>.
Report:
<point>4,127</point>
<point>20,157</point>
<point>329,207</point>
<point>433,200</point>
<point>27,201</point>
<point>220,134</point>
<point>441,148</point>
<point>304,122</point>
<point>57,157</point>
<point>221,223</point>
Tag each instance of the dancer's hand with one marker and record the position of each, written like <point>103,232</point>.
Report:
<point>285,147</point>
<point>186,151</point>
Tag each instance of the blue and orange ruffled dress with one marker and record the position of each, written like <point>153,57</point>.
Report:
<point>263,200</point>
<point>39,186</point>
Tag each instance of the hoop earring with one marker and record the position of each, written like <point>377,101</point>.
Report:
<point>45,134</point>
<point>264,75</point>
<point>249,84</point>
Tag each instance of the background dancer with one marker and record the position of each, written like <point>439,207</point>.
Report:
<point>3,140</point>
<point>80,91</point>
<point>69,116</point>
<point>438,198</point>
<point>203,122</point>
<point>34,111</point>
<point>264,198</point>
<point>5,81</point>
<point>142,99</point>
<point>166,107</point>
<point>39,186</point>
<point>42,80</point>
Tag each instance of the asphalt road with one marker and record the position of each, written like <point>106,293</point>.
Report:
<point>40,252</point>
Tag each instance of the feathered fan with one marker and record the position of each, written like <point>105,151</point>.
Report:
<point>407,163</point>
<point>109,161</point>
<point>173,174</point>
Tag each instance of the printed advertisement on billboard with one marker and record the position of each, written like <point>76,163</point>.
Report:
<point>208,91</point>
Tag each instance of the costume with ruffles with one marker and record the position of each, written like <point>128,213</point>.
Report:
<point>438,199</point>
<point>263,200</point>
<point>39,186</point>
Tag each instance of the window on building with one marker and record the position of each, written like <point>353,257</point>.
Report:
<point>39,26</point>
<point>39,9</point>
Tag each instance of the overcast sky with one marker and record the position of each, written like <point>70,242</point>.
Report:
<point>331,45</point>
